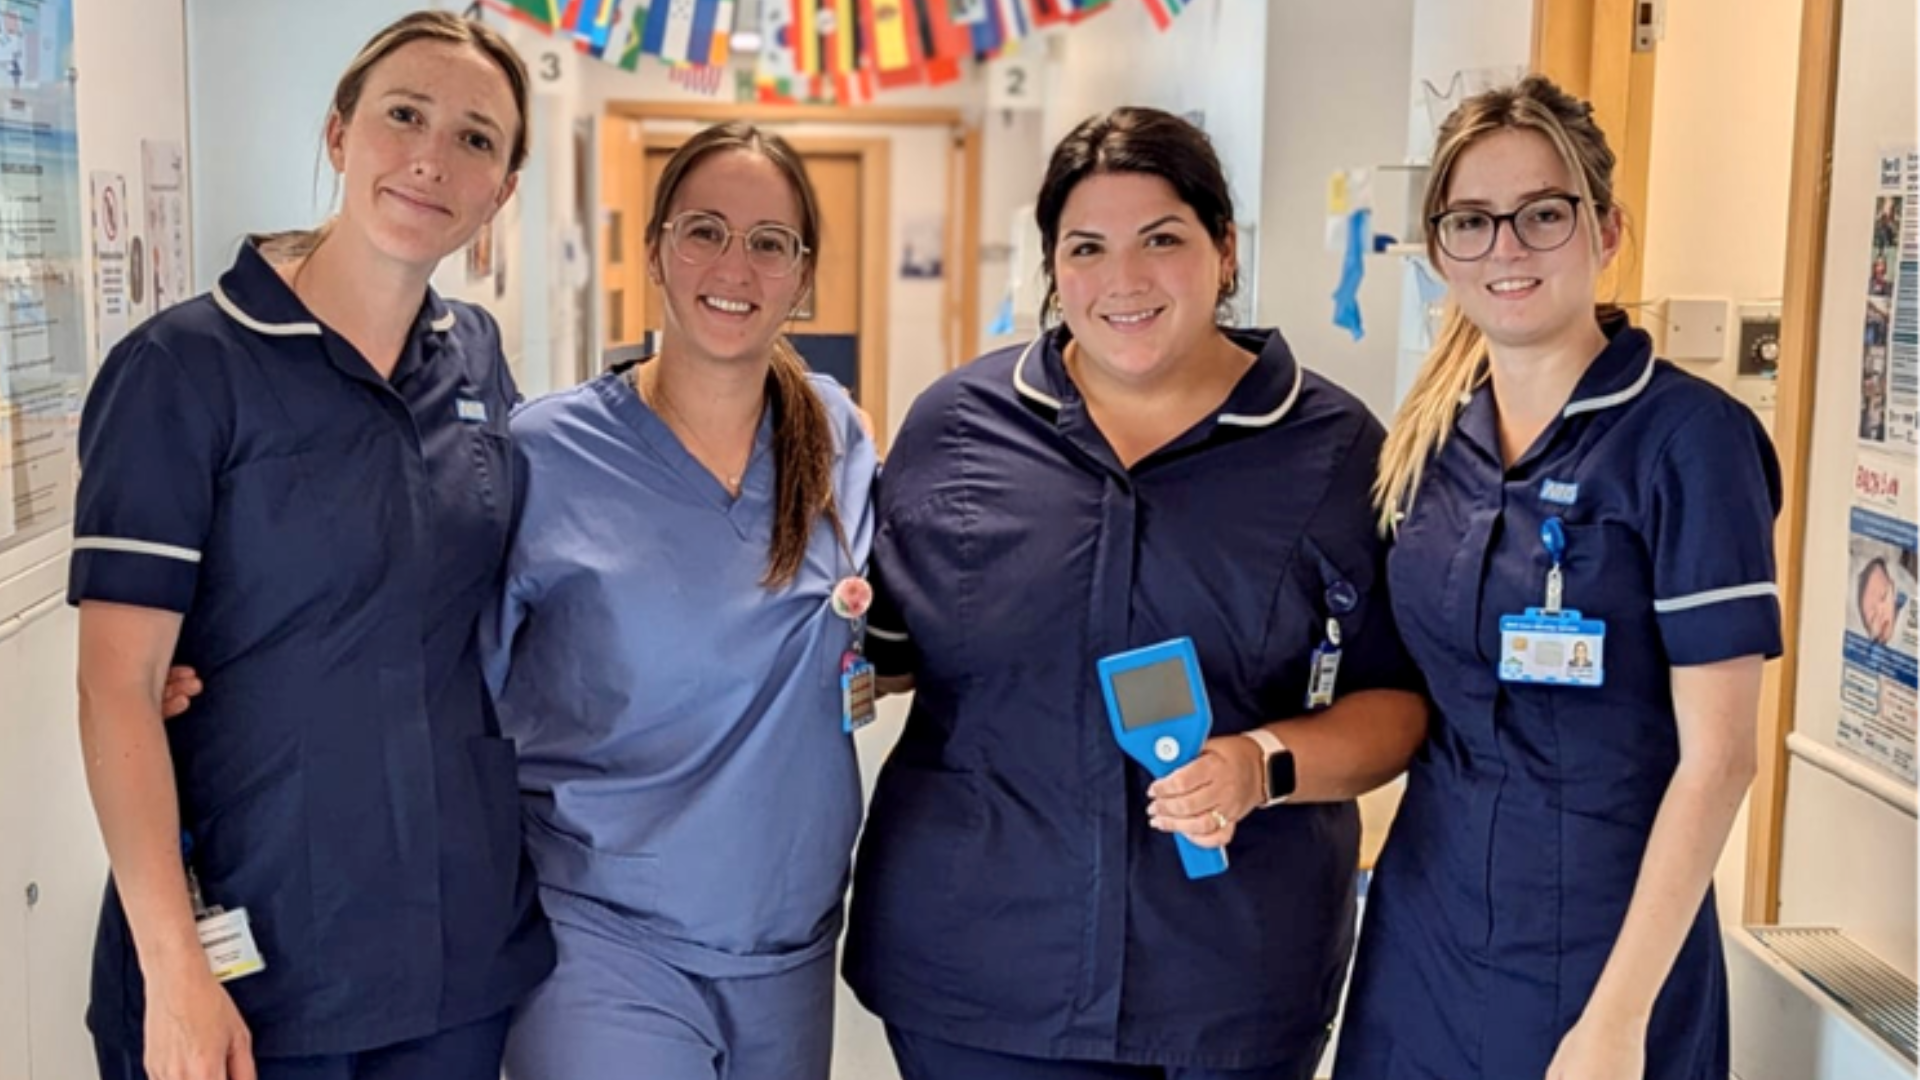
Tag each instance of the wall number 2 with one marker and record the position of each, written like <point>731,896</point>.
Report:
<point>1016,82</point>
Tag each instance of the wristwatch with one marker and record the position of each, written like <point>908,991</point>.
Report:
<point>1277,765</point>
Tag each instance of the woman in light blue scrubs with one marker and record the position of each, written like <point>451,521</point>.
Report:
<point>670,651</point>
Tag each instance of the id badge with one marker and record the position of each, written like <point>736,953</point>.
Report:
<point>1325,673</point>
<point>1323,670</point>
<point>1552,649</point>
<point>857,693</point>
<point>227,939</point>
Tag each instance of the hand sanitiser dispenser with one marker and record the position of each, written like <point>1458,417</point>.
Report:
<point>1157,704</point>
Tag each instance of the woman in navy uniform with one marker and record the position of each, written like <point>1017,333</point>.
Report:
<point>300,485</point>
<point>1135,474</point>
<point>1542,906</point>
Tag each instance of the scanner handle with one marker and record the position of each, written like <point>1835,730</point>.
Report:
<point>1198,861</point>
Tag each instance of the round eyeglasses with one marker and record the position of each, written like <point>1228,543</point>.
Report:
<point>1542,224</point>
<point>699,239</point>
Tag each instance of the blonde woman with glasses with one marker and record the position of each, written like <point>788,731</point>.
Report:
<point>1583,571</point>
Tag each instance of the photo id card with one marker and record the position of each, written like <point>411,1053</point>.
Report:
<point>227,939</point>
<point>1552,649</point>
<point>858,697</point>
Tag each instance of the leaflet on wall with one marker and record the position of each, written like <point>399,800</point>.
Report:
<point>43,355</point>
<point>1890,342</point>
<point>163,175</point>
<point>1878,674</point>
<point>112,307</point>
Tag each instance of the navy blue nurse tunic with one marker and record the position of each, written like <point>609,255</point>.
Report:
<point>330,538</point>
<point>1009,894</point>
<point>1507,874</point>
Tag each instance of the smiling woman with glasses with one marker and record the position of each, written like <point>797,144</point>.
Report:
<point>681,592</point>
<point>1583,570</point>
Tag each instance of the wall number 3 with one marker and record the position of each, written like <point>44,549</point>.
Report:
<point>550,66</point>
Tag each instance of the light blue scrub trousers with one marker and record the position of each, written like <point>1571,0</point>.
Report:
<point>611,1010</point>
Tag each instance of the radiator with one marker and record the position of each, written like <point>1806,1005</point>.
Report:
<point>1809,1004</point>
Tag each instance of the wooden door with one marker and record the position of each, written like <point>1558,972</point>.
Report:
<point>623,223</point>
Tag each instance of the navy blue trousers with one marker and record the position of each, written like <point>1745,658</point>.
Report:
<point>922,1057</point>
<point>471,1052</point>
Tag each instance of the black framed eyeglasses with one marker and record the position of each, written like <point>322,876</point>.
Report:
<point>699,239</point>
<point>1542,224</point>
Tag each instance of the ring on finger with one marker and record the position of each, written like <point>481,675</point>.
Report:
<point>1219,820</point>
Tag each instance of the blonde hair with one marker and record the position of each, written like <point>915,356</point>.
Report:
<point>1457,364</point>
<point>441,26</point>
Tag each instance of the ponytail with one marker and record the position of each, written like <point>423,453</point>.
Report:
<point>803,465</point>
<point>1453,369</point>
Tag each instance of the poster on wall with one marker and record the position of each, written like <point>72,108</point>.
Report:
<point>113,314</point>
<point>163,178</point>
<point>1878,673</point>
<point>1890,338</point>
<point>43,354</point>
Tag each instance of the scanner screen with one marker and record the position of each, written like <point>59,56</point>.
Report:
<point>1153,694</point>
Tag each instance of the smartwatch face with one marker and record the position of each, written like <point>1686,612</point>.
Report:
<point>1280,779</point>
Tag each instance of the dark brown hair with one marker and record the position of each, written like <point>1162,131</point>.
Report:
<point>802,436</point>
<point>439,26</point>
<point>1139,140</point>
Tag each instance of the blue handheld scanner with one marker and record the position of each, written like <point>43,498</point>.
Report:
<point>1157,703</point>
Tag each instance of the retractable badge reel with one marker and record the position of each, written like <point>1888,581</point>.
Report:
<point>1157,704</point>
<point>1551,645</point>
<point>1323,670</point>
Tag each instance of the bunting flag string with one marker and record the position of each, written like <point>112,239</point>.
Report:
<point>811,51</point>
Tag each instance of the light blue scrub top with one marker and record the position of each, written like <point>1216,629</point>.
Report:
<point>682,761</point>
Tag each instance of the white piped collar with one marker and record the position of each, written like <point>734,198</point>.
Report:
<point>1031,378</point>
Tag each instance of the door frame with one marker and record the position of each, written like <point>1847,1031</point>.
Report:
<point>1807,212</point>
<point>960,326</point>
<point>1586,46</point>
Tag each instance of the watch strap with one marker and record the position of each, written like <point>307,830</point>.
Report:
<point>1269,745</point>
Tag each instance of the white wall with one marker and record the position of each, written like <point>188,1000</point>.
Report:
<point>261,78</point>
<point>1339,100</point>
<point>1715,223</point>
<point>1451,37</point>
<point>1848,860</point>
<point>132,86</point>
<point>1120,59</point>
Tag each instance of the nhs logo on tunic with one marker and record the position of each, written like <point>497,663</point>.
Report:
<point>473,412</point>
<point>1563,492</point>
